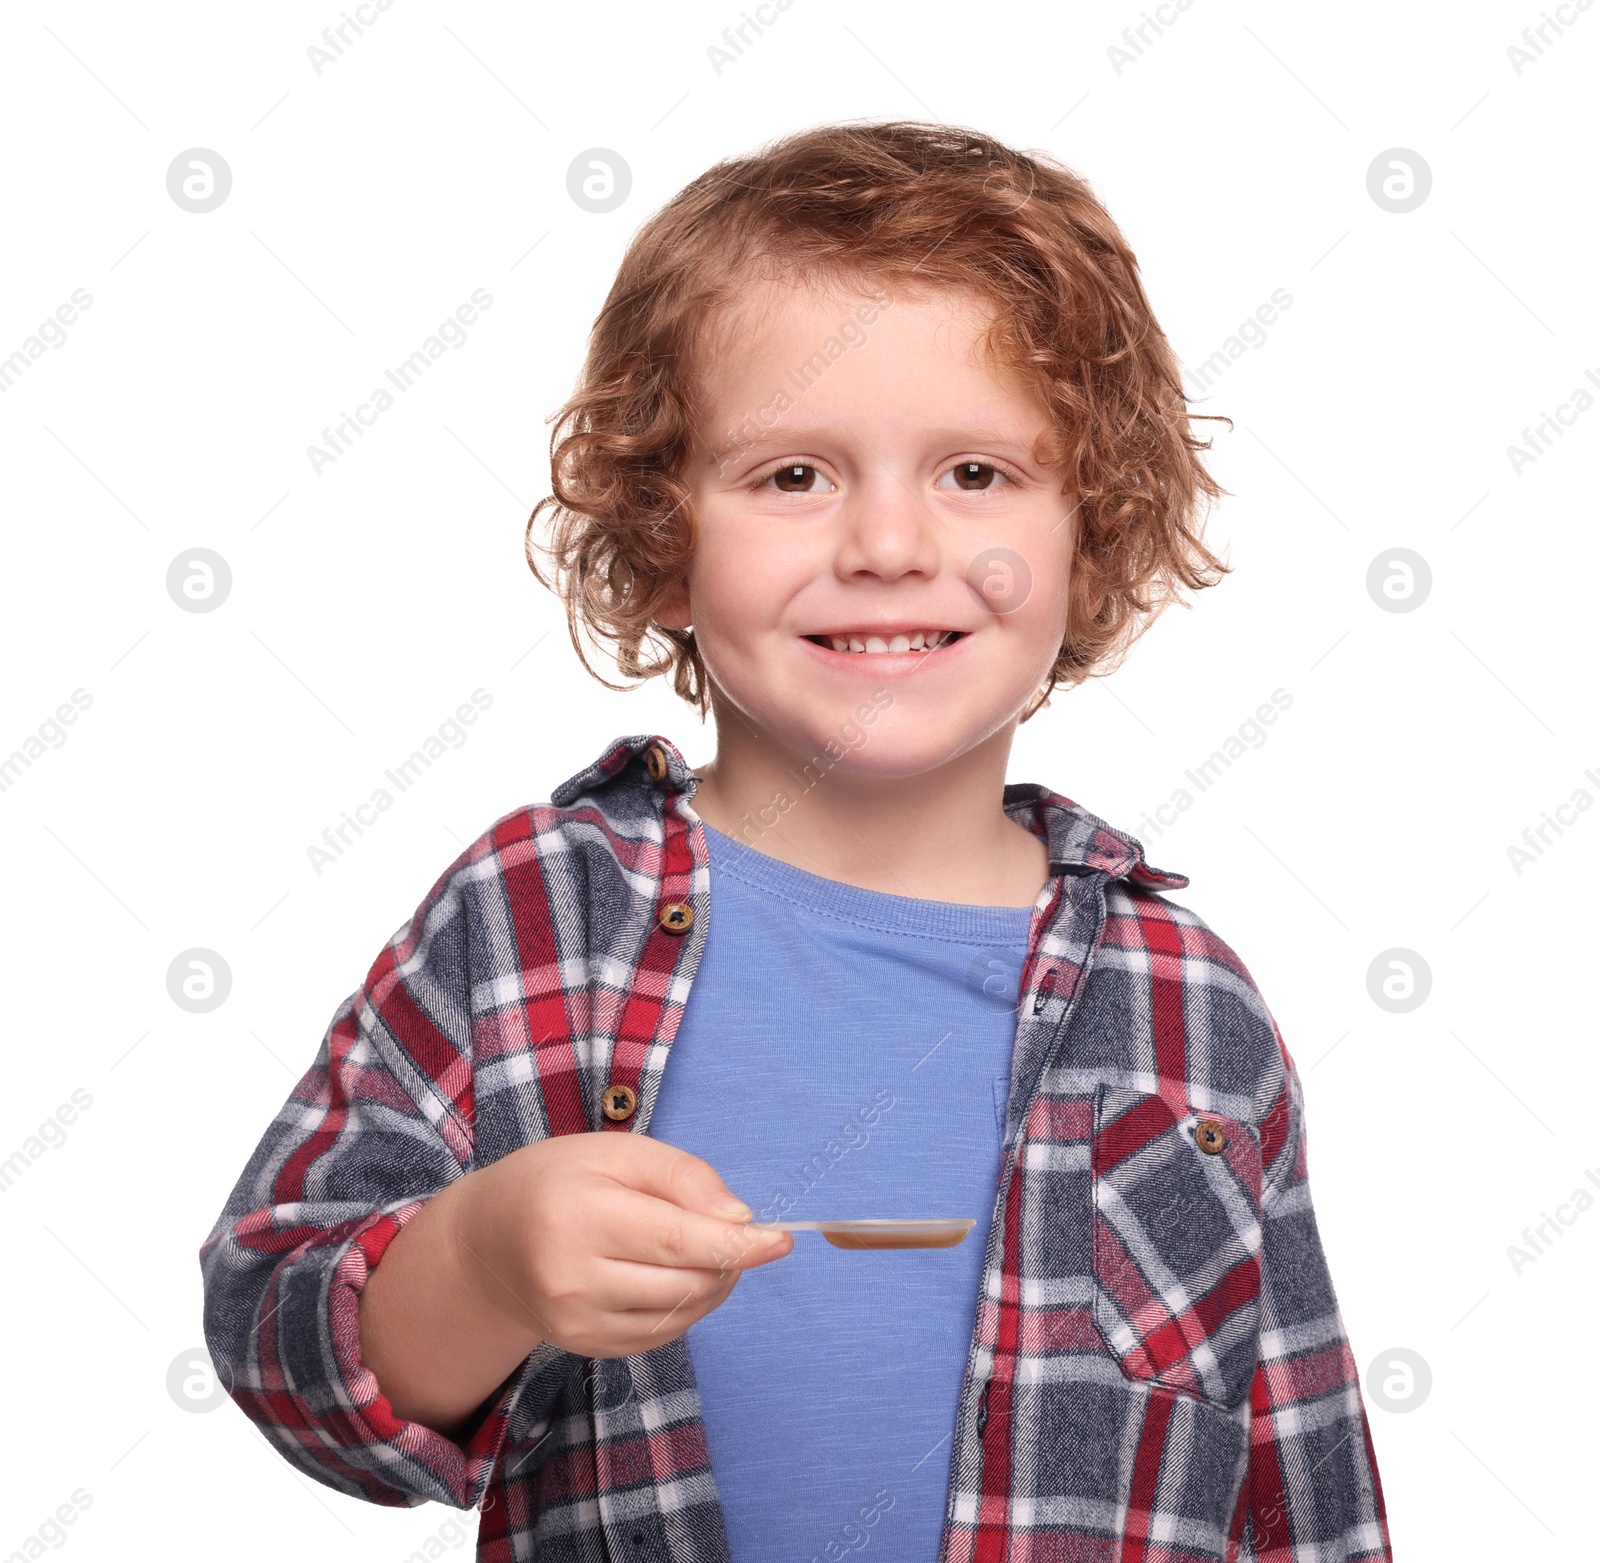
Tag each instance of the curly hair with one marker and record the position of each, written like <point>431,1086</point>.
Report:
<point>925,207</point>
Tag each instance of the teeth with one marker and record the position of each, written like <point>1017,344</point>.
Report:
<point>920,640</point>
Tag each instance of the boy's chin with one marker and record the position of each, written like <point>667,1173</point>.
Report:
<point>894,750</point>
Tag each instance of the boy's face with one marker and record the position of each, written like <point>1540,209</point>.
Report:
<point>862,470</point>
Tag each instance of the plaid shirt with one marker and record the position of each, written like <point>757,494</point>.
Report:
<point>1158,1370</point>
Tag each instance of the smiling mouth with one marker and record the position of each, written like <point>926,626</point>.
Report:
<point>880,645</point>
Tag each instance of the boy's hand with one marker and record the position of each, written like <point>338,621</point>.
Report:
<point>604,1243</point>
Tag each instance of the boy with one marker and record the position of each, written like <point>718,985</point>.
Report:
<point>876,443</point>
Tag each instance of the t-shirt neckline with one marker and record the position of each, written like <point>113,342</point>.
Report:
<point>1007,925</point>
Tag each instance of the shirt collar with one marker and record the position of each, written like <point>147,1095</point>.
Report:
<point>1079,842</point>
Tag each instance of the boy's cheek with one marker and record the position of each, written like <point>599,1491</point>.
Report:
<point>1001,579</point>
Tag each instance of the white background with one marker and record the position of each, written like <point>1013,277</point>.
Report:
<point>368,602</point>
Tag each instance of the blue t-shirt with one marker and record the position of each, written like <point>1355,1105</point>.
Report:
<point>844,1053</point>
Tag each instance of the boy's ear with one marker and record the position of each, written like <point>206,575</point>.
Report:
<point>674,613</point>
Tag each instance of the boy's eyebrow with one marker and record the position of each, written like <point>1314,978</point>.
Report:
<point>780,439</point>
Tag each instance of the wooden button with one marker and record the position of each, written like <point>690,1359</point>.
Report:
<point>655,761</point>
<point>1210,1136</point>
<point>619,1102</point>
<point>677,917</point>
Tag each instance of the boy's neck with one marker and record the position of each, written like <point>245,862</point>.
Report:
<point>942,835</point>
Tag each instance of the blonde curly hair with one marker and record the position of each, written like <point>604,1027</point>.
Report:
<point>924,207</point>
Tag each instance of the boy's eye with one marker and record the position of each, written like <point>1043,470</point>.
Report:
<point>794,478</point>
<point>974,476</point>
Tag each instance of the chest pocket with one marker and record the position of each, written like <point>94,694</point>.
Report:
<point>1177,1243</point>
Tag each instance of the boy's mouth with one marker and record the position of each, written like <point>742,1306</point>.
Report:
<point>869,643</point>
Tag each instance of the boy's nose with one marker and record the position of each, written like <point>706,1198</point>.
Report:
<point>886,528</point>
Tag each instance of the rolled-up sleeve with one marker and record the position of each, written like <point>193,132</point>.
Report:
<point>380,1123</point>
<point>1311,1492</point>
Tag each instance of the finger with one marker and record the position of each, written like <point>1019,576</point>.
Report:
<point>654,1167</point>
<point>655,1325</point>
<point>618,1330</point>
<point>645,1230</point>
<point>657,1290</point>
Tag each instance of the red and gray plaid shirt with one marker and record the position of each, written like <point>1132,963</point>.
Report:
<point>1158,1370</point>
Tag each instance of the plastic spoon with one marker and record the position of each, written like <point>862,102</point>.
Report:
<point>883,1232</point>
